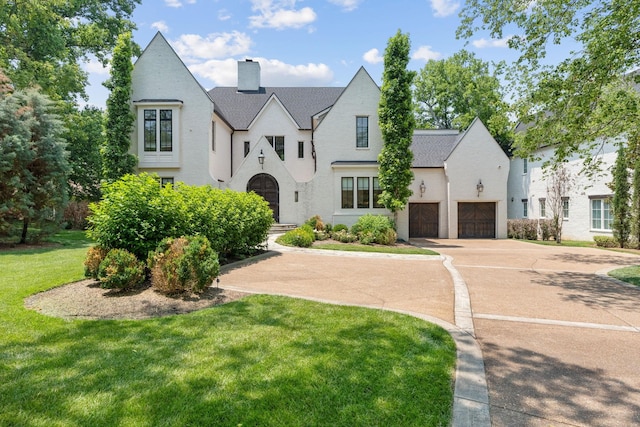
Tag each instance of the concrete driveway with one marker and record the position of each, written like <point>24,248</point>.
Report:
<point>552,341</point>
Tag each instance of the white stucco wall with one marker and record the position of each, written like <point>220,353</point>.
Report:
<point>435,192</point>
<point>160,75</point>
<point>532,186</point>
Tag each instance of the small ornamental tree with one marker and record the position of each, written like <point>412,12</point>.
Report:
<point>621,198</point>
<point>397,123</point>
<point>559,183</point>
<point>116,159</point>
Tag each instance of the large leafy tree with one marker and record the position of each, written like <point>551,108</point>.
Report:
<point>450,93</point>
<point>84,138</point>
<point>33,164</point>
<point>562,100</point>
<point>116,159</point>
<point>397,122</point>
<point>42,42</point>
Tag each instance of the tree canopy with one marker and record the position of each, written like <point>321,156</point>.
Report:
<point>397,122</point>
<point>43,42</point>
<point>450,93</point>
<point>563,101</point>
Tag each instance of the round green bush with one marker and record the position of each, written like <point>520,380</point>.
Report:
<point>184,264</point>
<point>375,229</point>
<point>95,256</point>
<point>120,269</point>
<point>339,227</point>
<point>301,237</point>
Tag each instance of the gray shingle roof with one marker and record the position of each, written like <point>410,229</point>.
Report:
<point>432,147</point>
<point>240,108</point>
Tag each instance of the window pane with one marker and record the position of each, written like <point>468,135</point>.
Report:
<point>362,132</point>
<point>301,149</point>
<point>166,140</point>
<point>213,136</point>
<point>377,191</point>
<point>150,129</point>
<point>363,192</point>
<point>525,208</point>
<point>164,181</point>
<point>565,208</point>
<point>247,147</point>
<point>543,208</point>
<point>347,193</point>
<point>596,214</point>
<point>280,146</point>
<point>607,217</point>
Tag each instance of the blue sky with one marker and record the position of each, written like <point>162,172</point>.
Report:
<point>299,42</point>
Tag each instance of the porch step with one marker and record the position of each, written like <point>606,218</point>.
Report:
<point>281,228</point>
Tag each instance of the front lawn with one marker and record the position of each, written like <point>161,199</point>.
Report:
<point>386,249</point>
<point>262,360</point>
<point>627,274</point>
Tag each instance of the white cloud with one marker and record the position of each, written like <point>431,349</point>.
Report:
<point>484,43</point>
<point>373,56</point>
<point>192,47</point>
<point>347,5</point>
<point>444,8</point>
<point>425,53</point>
<point>224,15</point>
<point>178,3</point>
<point>273,73</point>
<point>160,26</point>
<point>95,67</point>
<point>280,14</point>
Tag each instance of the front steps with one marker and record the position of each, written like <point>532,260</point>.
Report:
<point>281,228</point>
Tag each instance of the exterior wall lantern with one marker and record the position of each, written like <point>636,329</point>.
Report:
<point>480,187</point>
<point>261,159</point>
<point>423,188</point>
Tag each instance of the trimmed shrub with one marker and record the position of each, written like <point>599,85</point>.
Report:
<point>344,236</point>
<point>339,227</point>
<point>546,229</point>
<point>526,229</point>
<point>375,229</point>
<point>95,256</point>
<point>301,237</point>
<point>606,241</point>
<point>120,269</point>
<point>316,223</point>
<point>183,264</point>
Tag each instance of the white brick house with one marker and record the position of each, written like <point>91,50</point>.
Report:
<point>310,150</point>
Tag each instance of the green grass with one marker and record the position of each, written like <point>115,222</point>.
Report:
<point>376,249</point>
<point>567,243</point>
<point>262,360</point>
<point>627,274</point>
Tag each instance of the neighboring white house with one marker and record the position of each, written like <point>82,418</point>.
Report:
<point>586,205</point>
<point>310,150</point>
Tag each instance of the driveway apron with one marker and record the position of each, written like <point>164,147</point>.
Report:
<point>560,339</point>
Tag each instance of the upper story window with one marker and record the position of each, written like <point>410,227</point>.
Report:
<point>525,208</point>
<point>158,133</point>
<point>601,217</point>
<point>301,149</point>
<point>525,165</point>
<point>362,132</point>
<point>277,142</point>
<point>247,148</point>
<point>154,133</point>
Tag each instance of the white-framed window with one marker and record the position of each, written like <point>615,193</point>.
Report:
<point>525,166</point>
<point>277,142</point>
<point>362,132</point>
<point>543,207</point>
<point>347,192</point>
<point>601,214</point>
<point>360,192</point>
<point>565,208</point>
<point>364,195</point>
<point>525,208</point>
<point>158,132</point>
<point>301,149</point>
<point>166,180</point>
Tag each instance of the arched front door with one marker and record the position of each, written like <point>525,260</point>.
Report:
<point>266,186</point>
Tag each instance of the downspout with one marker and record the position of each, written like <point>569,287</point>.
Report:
<point>231,156</point>
<point>313,148</point>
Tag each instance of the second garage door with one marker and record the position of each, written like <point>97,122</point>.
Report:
<point>476,220</point>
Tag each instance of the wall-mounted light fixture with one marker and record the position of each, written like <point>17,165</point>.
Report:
<point>423,188</point>
<point>480,187</point>
<point>261,159</point>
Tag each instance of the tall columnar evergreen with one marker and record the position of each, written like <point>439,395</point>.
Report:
<point>397,123</point>
<point>621,198</point>
<point>635,195</point>
<point>116,160</point>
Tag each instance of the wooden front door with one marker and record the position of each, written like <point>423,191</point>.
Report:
<point>477,220</point>
<point>266,186</point>
<point>423,220</point>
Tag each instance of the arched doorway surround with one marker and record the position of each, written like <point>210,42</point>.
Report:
<point>266,186</point>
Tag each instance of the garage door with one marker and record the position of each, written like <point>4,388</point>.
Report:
<point>423,220</point>
<point>476,220</point>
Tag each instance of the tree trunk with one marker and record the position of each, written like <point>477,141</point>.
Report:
<point>25,227</point>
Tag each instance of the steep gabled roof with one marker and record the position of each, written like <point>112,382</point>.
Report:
<point>240,108</point>
<point>432,147</point>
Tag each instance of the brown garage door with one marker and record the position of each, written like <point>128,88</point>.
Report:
<point>476,220</point>
<point>423,220</point>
